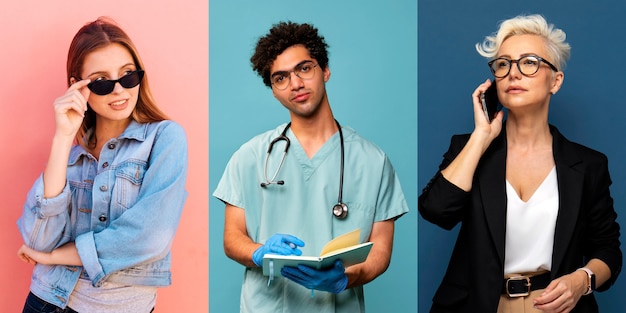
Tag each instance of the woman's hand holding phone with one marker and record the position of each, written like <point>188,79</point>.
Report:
<point>461,170</point>
<point>481,119</point>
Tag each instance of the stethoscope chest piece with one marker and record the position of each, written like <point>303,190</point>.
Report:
<point>340,210</point>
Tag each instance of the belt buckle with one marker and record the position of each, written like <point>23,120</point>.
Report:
<point>517,293</point>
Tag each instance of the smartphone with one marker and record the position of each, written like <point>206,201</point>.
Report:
<point>491,104</point>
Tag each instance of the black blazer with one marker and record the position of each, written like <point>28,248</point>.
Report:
<point>586,225</point>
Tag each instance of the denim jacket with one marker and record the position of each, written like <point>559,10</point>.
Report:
<point>122,212</point>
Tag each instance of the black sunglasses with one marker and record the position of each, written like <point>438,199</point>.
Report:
<point>105,86</point>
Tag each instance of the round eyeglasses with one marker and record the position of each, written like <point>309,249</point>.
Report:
<point>104,86</point>
<point>527,65</point>
<point>304,70</point>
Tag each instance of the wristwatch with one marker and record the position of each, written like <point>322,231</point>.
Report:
<point>591,281</point>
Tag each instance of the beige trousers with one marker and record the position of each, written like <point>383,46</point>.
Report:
<point>519,304</point>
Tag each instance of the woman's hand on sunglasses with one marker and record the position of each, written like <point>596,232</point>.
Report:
<point>70,108</point>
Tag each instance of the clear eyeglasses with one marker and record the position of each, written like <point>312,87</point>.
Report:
<point>527,65</point>
<point>305,70</point>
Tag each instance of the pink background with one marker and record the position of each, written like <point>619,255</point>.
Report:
<point>172,38</point>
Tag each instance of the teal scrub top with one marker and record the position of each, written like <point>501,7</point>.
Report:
<point>303,207</point>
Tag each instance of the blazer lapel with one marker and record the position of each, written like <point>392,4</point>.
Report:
<point>491,181</point>
<point>570,182</point>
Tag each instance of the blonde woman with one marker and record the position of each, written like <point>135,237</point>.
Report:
<point>538,228</point>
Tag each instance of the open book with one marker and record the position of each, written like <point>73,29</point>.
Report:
<point>345,247</point>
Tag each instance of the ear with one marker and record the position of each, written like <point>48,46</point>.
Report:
<point>72,81</point>
<point>326,73</point>
<point>557,82</point>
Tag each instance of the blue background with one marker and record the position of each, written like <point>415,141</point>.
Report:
<point>373,63</point>
<point>589,108</point>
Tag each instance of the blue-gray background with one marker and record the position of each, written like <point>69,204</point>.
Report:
<point>589,108</point>
<point>373,61</point>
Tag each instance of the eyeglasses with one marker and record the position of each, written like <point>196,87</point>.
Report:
<point>528,65</point>
<point>304,70</point>
<point>105,86</point>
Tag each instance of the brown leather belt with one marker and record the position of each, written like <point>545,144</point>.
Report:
<point>522,285</point>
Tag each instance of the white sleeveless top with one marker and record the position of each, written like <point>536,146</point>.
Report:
<point>530,227</point>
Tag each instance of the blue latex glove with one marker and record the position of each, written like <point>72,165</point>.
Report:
<point>278,244</point>
<point>332,280</point>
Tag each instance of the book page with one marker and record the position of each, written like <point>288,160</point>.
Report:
<point>343,241</point>
<point>273,263</point>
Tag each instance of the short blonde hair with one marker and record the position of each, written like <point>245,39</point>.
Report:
<point>558,49</point>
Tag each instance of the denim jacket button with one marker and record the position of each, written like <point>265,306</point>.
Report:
<point>103,188</point>
<point>105,164</point>
<point>111,145</point>
<point>102,218</point>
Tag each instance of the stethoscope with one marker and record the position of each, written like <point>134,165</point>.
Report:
<point>340,210</point>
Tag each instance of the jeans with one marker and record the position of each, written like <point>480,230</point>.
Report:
<point>35,305</point>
